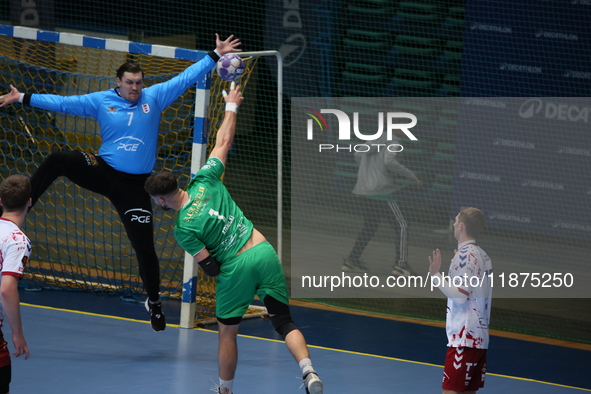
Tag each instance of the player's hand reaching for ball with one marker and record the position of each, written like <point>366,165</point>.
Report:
<point>229,45</point>
<point>234,96</point>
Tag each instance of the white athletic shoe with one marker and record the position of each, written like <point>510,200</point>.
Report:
<point>313,383</point>
<point>220,389</point>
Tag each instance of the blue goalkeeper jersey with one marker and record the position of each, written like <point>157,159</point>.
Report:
<point>129,131</point>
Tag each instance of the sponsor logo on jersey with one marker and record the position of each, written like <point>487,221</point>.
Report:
<point>128,143</point>
<point>196,204</point>
<point>112,109</point>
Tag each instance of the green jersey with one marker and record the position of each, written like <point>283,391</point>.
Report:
<point>211,219</point>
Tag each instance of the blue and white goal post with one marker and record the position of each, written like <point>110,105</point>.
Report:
<point>202,99</point>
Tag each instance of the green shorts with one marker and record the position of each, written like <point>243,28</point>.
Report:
<point>255,271</point>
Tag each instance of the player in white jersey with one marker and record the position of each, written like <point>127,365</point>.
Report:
<point>469,291</point>
<point>15,250</point>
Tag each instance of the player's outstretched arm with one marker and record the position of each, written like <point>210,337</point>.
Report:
<point>229,45</point>
<point>225,135</point>
<point>11,97</point>
<point>11,305</point>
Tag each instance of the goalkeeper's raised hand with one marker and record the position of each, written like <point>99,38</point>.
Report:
<point>11,97</point>
<point>229,45</point>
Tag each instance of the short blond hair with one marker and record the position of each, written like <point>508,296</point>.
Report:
<point>473,219</point>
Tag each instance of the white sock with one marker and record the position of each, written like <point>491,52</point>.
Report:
<point>306,366</point>
<point>227,383</point>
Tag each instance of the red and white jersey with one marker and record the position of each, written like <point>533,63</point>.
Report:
<point>467,323</point>
<point>15,250</point>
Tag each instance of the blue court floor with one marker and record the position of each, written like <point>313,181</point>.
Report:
<point>90,343</point>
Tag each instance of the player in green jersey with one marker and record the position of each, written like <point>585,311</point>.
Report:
<point>213,229</point>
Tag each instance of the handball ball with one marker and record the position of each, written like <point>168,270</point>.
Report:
<point>230,67</point>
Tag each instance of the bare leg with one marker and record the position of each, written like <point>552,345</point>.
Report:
<point>227,351</point>
<point>296,343</point>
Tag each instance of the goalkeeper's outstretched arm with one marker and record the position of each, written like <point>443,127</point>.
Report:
<point>225,134</point>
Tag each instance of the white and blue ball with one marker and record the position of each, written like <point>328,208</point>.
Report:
<point>230,67</point>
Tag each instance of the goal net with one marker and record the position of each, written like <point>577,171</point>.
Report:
<point>79,241</point>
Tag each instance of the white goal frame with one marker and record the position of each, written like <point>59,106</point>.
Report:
<point>201,130</point>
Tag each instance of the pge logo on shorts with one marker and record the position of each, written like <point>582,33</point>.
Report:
<point>139,215</point>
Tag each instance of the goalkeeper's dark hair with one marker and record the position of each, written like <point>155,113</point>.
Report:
<point>15,192</point>
<point>161,184</point>
<point>129,67</point>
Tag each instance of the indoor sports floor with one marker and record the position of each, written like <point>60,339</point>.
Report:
<point>92,343</point>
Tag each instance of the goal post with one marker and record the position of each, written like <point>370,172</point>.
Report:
<point>199,155</point>
<point>80,236</point>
